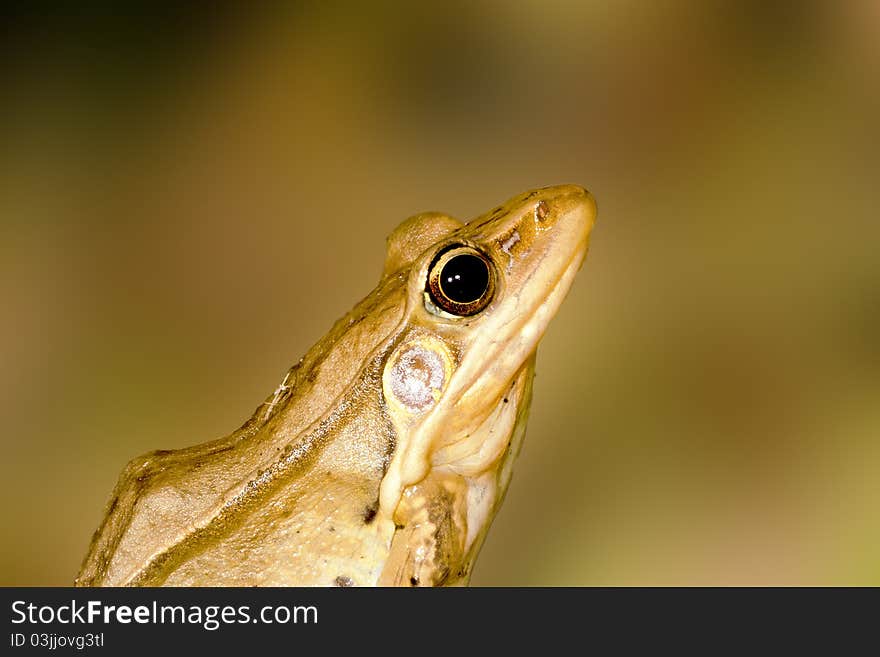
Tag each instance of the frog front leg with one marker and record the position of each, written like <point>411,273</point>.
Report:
<point>429,543</point>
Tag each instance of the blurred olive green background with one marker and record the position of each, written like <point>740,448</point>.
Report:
<point>190,199</point>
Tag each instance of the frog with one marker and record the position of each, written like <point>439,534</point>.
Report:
<point>383,456</point>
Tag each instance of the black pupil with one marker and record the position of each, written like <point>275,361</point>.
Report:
<point>464,278</point>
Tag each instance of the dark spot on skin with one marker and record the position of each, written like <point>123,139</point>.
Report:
<point>342,580</point>
<point>541,211</point>
<point>506,400</point>
<point>413,581</point>
<point>396,526</point>
<point>370,512</point>
<point>332,529</point>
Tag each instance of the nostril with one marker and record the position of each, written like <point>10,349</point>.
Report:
<point>542,211</point>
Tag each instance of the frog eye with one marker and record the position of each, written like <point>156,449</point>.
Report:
<point>461,281</point>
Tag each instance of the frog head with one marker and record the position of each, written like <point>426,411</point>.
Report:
<point>458,382</point>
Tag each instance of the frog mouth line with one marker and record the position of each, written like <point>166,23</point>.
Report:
<point>531,325</point>
<point>553,300</point>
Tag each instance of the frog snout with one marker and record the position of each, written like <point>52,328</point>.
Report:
<point>570,210</point>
